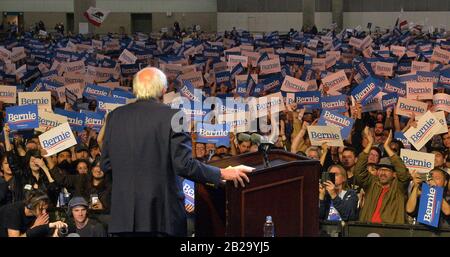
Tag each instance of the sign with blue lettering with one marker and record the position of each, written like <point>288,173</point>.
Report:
<point>8,94</point>
<point>393,86</point>
<point>94,120</point>
<point>238,69</point>
<point>389,100</point>
<point>308,99</point>
<point>57,139</point>
<point>188,91</point>
<point>398,135</point>
<point>189,192</point>
<point>92,91</point>
<point>22,117</point>
<point>213,134</point>
<point>118,93</point>
<point>242,90</point>
<point>42,99</point>
<point>417,161</point>
<point>430,205</point>
<point>129,69</point>
<point>223,77</point>
<point>334,103</point>
<point>76,120</point>
<point>444,79</point>
<point>102,100</point>
<point>272,83</point>
<point>329,118</point>
<point>366,90</point>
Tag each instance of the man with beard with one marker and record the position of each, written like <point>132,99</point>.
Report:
<point>385,194</point>
<point>380,137</point>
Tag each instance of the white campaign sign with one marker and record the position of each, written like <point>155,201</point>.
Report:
<point>49,120</point>
<point>325,134</point>
<point>417,161</point>
<point>427,126</point>
<point>57,139</point>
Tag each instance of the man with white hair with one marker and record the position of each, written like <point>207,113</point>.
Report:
<point>146,157</point>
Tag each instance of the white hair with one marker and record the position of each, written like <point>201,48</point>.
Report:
<point>150,87</point>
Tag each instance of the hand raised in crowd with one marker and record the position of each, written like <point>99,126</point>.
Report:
<point>6,130</point>
<point>236,174</point>
<point>57,225</point>
<point>387,145</point>
<point>41,220</point>
<point>417,180</point>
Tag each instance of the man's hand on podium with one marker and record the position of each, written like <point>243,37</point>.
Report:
<point>236,174</point>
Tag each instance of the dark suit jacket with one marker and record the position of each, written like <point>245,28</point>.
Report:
<point>146,157</point>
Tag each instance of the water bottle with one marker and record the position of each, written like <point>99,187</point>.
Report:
<point>269,227</point>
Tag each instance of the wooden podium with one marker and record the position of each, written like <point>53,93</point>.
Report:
<point>287,191</point>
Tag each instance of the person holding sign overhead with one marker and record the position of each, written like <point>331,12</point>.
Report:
<point>146,157</point>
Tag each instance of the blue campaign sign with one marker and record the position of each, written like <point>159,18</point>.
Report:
<point>22,117</point>
<point>365,91</point>
<point>238,69</point>
<point>92,91</point>
<point>389,100</point>
<point>407,78</point>
<point>76,120</point>
<point>187,90</point>
<point>213,134</point>
<point>393,86</point>
<point>223,77</point>
<point>308,75</point>
<point>102,100</point>
<point>364,69</point>
<point>242,90</point>
<point>444,79</point>
<point>401,137</point>
<point>334,103</point>
<point>430,205</point>
<point>329,118</point>
<point>189,192</point>
<point>273,82</point>
<point>119,93</point>
<point>94,120</point>
<point>293,58</point>
<point>425,76</point>
<point>129,69</point>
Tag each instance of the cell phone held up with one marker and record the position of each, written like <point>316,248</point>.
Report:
<point>327,176</point>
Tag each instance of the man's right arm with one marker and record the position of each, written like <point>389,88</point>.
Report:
<point>190,168</point>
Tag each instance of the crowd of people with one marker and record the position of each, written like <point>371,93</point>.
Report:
<point>367,178</point>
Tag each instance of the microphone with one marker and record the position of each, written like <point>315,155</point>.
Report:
<point>73,235</point>
<point>244,137</point>
<point>264,146</point>
<point>258,140</point>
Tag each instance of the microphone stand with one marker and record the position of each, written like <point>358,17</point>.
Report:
<point>264,148</point>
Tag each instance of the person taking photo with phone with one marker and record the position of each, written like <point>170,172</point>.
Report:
<point>337,201</point>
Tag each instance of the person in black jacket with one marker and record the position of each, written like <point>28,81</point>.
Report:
<point>31,174</point>
<point>95,183</point>
<point>337,201</point>
<point>146,157</point>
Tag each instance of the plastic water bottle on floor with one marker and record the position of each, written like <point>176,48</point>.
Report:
<point>269,227</point>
